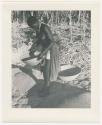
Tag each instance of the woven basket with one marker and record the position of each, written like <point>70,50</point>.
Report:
<point>69,72</point>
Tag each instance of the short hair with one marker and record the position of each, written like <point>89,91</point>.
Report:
<point>31,20</point>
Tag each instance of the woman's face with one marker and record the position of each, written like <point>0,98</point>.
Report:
<point>35,26</point>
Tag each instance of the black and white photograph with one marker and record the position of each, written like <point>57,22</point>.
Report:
<point>51,58</point>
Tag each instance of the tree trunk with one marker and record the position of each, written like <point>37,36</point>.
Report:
<point>70,27</point>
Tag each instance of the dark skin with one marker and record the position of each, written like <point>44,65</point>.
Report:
<point>46,32</point>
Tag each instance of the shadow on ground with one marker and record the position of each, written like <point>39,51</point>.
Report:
<point>61,95</point>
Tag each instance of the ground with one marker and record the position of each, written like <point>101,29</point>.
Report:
<point>73,94</point>
<point>62,95</point>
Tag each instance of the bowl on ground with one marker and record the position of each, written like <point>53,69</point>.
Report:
<point>69,72</point>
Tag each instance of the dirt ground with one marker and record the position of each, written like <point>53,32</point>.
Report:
<point>29,82</point>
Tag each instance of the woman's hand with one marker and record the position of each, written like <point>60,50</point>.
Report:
<point>41,56</point>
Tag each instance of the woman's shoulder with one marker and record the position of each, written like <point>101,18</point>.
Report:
<point>45,26</point>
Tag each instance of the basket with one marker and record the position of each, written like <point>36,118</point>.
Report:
<point>69,72</point>
<point>32,61</point>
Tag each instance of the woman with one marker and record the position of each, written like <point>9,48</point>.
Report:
<point>45,38</point>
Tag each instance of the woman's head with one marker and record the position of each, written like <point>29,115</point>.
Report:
<point>33,22</point>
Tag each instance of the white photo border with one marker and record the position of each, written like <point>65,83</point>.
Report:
<point>50,114</point>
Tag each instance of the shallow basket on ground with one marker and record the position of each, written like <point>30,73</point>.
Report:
<point>69,72</point>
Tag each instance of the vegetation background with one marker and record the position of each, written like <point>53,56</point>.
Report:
<point>73,29</point>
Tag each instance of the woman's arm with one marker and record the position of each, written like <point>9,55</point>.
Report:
<point>49,36</point>
<point>45,51</point>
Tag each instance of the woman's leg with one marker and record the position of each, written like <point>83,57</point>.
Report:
<point>46,73</point>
